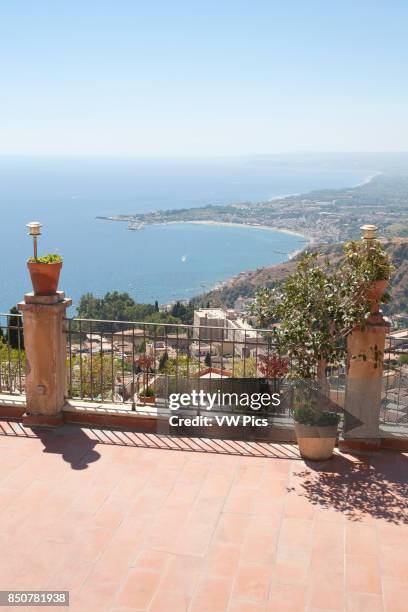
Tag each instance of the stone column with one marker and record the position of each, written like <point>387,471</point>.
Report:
<point>362,404</point>
<point>45,346</point>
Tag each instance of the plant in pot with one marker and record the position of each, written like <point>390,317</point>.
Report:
<point>45,272</point>
<point>317,307</point>
<point>145,362</point>
<point>368,268</point>
<point>315,427</point>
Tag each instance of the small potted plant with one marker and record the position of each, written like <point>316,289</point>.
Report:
<point>147,396</point>
<point>316,431</point>
<point>145,362</point>
<point>45,272</point>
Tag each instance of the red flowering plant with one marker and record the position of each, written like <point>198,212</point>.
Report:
<point>274,368</point>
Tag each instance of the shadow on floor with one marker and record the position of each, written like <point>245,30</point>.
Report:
<point>73,444</point>
<point>93,436</point>
<point>371,486</point>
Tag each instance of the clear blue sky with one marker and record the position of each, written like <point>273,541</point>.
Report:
<point>164,78</point>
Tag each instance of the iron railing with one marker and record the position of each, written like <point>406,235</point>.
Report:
<point>12,355</point>
<point>136,364</point>
<point>123,363</point>
<point>394,406</point>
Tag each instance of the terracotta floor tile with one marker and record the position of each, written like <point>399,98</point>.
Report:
<point>395,593</point>
<point>252,582</point>
<point>222,559</point>
<point>246,606</point>
<point>169,601</point>
<point>212,594</point>
<point>260,548</point>
<point>361,539</point>
<point>232,528</point>
<point>138,589</point>
<point>394,562</point>
<point>364,602</point>
<point>363,574</point>
<point>325,595</point>
<point>286,598</point>
<point>182,574</point>
<point>296,534</point>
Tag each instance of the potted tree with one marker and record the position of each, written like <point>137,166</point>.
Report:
<point>45,272</point>
<point>315,427</point>
<point>317,307</point>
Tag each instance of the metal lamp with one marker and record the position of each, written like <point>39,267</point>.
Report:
<point>368,232</point>
<point>34,230</point>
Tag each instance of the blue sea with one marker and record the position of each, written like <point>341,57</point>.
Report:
<point>159,262</point>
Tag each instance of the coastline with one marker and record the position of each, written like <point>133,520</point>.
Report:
<point>308,239</point>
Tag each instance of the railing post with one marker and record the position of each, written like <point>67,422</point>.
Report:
<point>365,349</point>
<point>45,346</point>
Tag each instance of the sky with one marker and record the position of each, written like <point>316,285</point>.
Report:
<point>166,78</point>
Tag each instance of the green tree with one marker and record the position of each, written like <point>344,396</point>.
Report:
<point>156,306</point>
<point>245,368</point>
<point>92,377</point>
<point>183,312</point>
<point>183,365</point>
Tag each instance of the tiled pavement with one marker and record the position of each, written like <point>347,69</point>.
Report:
<point>128,521</point>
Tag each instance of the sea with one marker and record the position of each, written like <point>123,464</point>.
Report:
<point>161,262</point>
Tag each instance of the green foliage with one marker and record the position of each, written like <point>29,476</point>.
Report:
<point>49,258</point>
<point>114,306</point>
<point>368,260</point>
<point>306,415</point>
<point>148,392</point>
<point>245,368</point>
<point>183,312</point>
<point>318,307</point>
<point>183,365</point>
<point>326,418</point>
<point>119,306</point>
<point>92,377</point>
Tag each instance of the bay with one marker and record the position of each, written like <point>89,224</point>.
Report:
<point>165,262</point>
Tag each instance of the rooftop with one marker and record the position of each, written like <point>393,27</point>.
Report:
<point>129,521</point>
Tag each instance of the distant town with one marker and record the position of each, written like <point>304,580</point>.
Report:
<point>325,216</point>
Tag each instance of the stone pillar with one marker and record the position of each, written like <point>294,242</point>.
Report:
<point>362,404</point>
<point>364,386</point>
<point>45,346</point>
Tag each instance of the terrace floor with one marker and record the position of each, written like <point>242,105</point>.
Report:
<point>128,521</point>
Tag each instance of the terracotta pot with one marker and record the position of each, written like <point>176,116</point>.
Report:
<point>316,443</point>
<point>377,290</point>
<point>44,277</point>
<point>147,399</point>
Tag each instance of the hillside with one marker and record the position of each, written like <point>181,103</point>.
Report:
<point>246,284</point>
